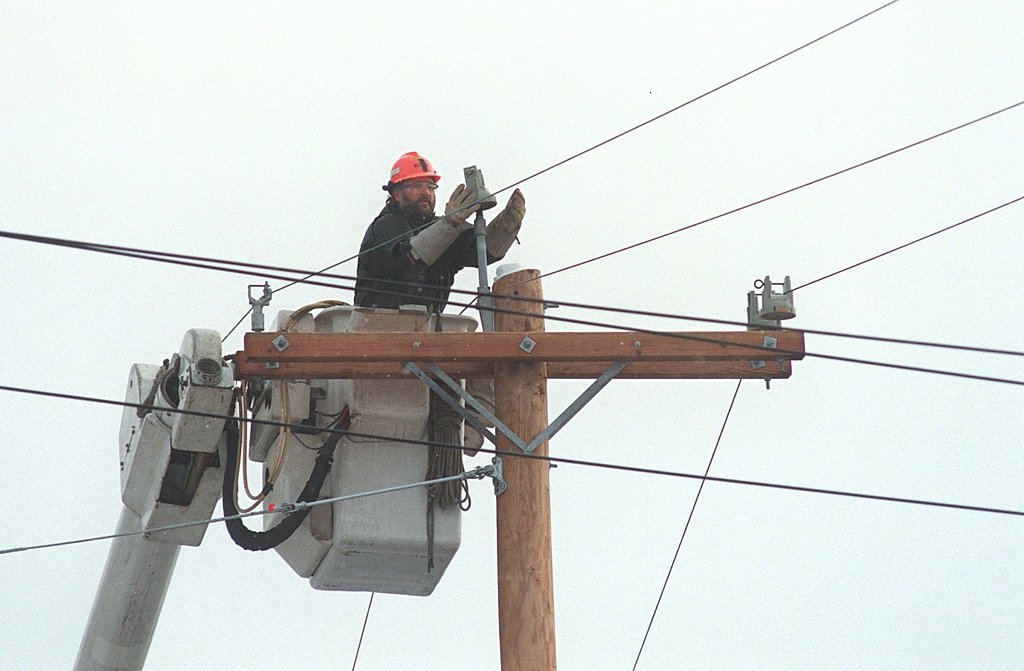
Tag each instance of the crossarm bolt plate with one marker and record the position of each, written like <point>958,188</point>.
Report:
<point>527,344</point>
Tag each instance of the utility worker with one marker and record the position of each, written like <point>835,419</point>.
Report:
<point>405,259</point>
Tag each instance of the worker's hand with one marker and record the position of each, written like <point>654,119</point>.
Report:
<point>504,228</point>
<point>460,206</point>
<point>512,216</point>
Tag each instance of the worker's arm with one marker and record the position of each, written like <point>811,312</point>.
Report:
<point>429,244</point>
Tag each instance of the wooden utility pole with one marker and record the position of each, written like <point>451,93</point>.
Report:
<point>521,357</point>
<point>526,606</point>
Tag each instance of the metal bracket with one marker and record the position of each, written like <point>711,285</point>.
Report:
<point>445,396</point>
<point>527,344</point>
<point>552,428</point>
<point>577,405</point>
<point>480,409</point>
<point>769,342</point>
<point>497,473</point>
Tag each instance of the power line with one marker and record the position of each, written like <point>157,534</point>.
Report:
<point>476,473</point>
<point>599,144</point>
<point>523,455</point>
<point>733,322</point>
<point>907,244</point>
<point>224,265</point>
<point>689,518</point>
<point>698,338</point>
<point>362,632</point>
<point>806,354</point>
<point>693,100</point>
<point>780,193</point>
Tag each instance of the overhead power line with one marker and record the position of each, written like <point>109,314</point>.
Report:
<point>780,193</point>
<point>907,244</point>
<point>686,527</point>
<point>476,473</point>
<point>550,459</point>
<point>515,455</point>
<point>226,265</point>
<point>362,632</point>
<point>699,338</point>
<point>709,339</point>
<point>601,143</point>
<point>695,99</point>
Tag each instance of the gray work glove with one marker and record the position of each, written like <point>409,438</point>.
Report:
<point>460,206</point>
<point>504,228</point>
<point>429,244</point>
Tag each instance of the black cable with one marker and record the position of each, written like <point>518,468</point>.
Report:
<point>167,256</point>
<point>696,338</point>
<point>514,455</point>
<point>204,263</point>
<point>689,518</point>
<point>362,632</point>
<point>684,336</point>
<point>693,100</point>
<point>769,350</point>
<point>907,244</point>
<point>192,261</point>
<point>780,193</point>
<point>523,455</point>
<point>258,541</point>
<point>596,146</point>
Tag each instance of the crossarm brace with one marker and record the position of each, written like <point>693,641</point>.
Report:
<point>552,428</point>
<point>468,398</point>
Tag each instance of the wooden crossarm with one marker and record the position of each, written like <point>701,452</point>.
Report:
<point>693,355</point>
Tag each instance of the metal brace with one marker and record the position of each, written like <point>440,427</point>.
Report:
<point>769,342</point>
<point>468,398</point>
<point>577,405</point>
<point>552,428</point>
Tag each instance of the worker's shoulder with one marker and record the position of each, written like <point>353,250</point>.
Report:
<point>391,222</point>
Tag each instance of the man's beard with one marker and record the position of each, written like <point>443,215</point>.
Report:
<point>422,208</point>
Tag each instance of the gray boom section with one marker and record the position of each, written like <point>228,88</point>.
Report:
<point>128,600</point>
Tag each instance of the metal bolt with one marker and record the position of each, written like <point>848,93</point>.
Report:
<point>281,343</point>
<point>527,344</point>
<point>416,344</point>
<point>636,343</point>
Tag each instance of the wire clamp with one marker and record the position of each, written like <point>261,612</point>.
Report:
<point>258,304</point>
<point>496,472</point>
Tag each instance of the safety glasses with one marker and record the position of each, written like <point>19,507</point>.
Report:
<point>418,186</point>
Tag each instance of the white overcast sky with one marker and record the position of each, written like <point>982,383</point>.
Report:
<point>262,132</point>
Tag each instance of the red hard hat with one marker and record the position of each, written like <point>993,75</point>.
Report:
<point>410,166</point>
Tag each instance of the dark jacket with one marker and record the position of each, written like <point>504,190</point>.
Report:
<point>389,276</point>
